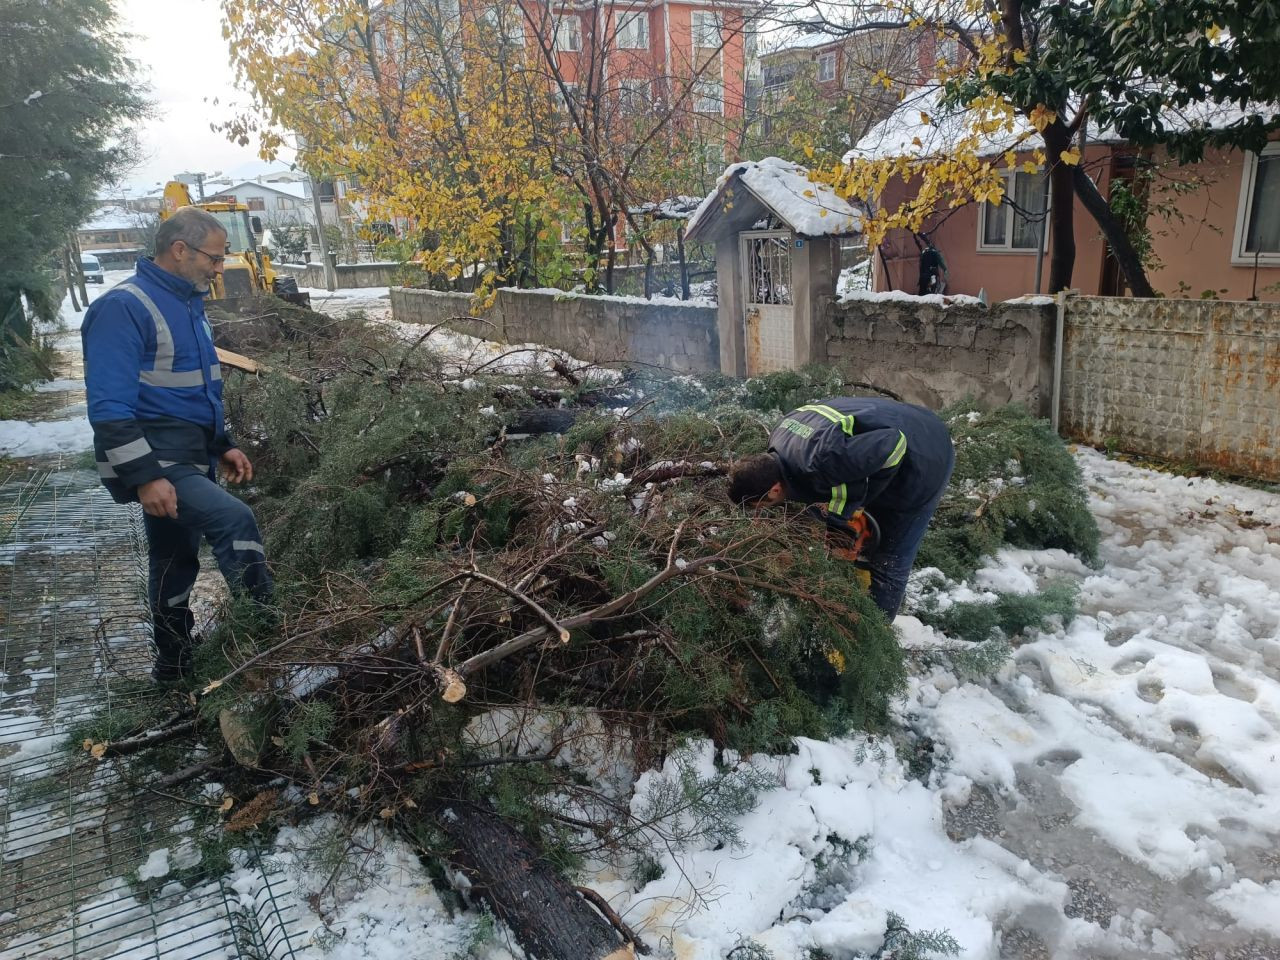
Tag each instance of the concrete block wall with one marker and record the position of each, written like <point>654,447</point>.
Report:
<point>349,274</point>
<point>935,355</point>
<point>1189,380</point>
<point>602,329</point>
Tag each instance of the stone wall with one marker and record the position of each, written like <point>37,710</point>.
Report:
<point>349,274</point>
<point>607,330</point>
<point>1189,380</point>
<point>935,355</point>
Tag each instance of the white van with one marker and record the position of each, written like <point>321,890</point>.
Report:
<point>92,268</point>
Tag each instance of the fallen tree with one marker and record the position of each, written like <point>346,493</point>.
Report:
<point>468,624</point>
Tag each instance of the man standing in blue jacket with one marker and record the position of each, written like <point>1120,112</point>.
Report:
<point>849,453</point>
<point>155,403</point>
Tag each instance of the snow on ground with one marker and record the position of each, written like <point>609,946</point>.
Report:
<point>18,438</point>
<point>69,432</point>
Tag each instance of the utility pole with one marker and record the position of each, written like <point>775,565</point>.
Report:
<point>330,274</point>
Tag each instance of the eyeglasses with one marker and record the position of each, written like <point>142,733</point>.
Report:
<point>216,261</point>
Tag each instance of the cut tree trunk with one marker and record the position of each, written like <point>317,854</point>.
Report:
<point>548,916</point>
<point>539,421</point>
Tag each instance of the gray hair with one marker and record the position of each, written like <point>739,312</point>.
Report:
<point>190,225</point>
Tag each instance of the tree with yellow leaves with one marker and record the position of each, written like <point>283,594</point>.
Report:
<point>1035,76</point>
<point>433,110</point>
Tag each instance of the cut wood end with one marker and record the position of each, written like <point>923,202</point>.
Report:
<point>564,636</point>
<point>452,687</point>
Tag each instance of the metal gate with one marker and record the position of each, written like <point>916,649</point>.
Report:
<point>768,303</point>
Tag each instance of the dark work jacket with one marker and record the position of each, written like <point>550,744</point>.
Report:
<point>852,452</point>
<point>153,381</point>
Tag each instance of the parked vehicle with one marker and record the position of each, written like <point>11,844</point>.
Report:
<point>92,268</point>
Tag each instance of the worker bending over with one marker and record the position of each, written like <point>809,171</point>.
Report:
<point>849,453</point>
<point>155,403</point>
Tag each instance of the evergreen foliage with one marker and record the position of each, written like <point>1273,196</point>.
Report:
<point>1008,615</point>
<point>67,96</point>
<point>421,553</point>
<point>1014,483</point>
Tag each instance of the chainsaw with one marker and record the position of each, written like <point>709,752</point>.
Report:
<point>851,539</point>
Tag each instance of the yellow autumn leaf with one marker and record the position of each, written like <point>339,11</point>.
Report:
<point>810,194</point>
<point>1214,32</point>
<point>1019,56</point>
<point>1029,166</point>
<point>924,118</point>
<point>1070,157</point>
<point>227,804</point>
<point>313,798</point>
<point>98,750</point>
<point>1010,158</point>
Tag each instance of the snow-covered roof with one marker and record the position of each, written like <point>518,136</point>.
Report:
<point>672,208</point>
<point>297,190</point>
<point>112,218</point>
<point>783,189</point>
<point>905,134</point>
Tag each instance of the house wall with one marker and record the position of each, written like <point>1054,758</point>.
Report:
<point>1196,381</point>
<point>601,329</point>
<point>1197,249</point>
<point>934,355</point>
<point>1003,275</point>
<point>1194,247</point>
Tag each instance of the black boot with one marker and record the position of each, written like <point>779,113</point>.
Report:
<point>174,645</point>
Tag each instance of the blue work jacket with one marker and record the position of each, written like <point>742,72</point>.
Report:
<point>153,380</point>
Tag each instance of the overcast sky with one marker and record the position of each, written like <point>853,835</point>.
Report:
<point>184,59</point>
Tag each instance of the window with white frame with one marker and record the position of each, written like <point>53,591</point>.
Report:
<point>826,68</point>
<point>569,34</point>
<point>1015,223</point>
<point>708,95</point>
<point>713,160</point>
<point>633,94</point>
<point>633,31</point>
<point>706,29</point>
<point>1258,216</point>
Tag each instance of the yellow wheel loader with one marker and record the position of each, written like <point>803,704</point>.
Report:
<point>248,271</point>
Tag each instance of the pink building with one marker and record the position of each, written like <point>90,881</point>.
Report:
<point>1219,238</point>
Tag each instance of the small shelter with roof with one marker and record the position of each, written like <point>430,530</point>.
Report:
<point>776,235</point>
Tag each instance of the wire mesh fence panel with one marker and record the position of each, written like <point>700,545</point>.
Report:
<point>94,862</point>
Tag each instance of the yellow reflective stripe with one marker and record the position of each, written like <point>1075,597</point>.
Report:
<point>842,420</point>
<point>899,451</point>
<point>839,497</point>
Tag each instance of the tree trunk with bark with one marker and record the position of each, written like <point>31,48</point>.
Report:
<point>550,919</point>
<point>1121,246</point>
<point>1062,257</point>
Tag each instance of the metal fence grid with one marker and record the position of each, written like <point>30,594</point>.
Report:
<point>77,841</point>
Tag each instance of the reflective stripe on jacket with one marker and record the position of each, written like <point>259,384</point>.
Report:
<point>153,380</point>
<point>851,452</point>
